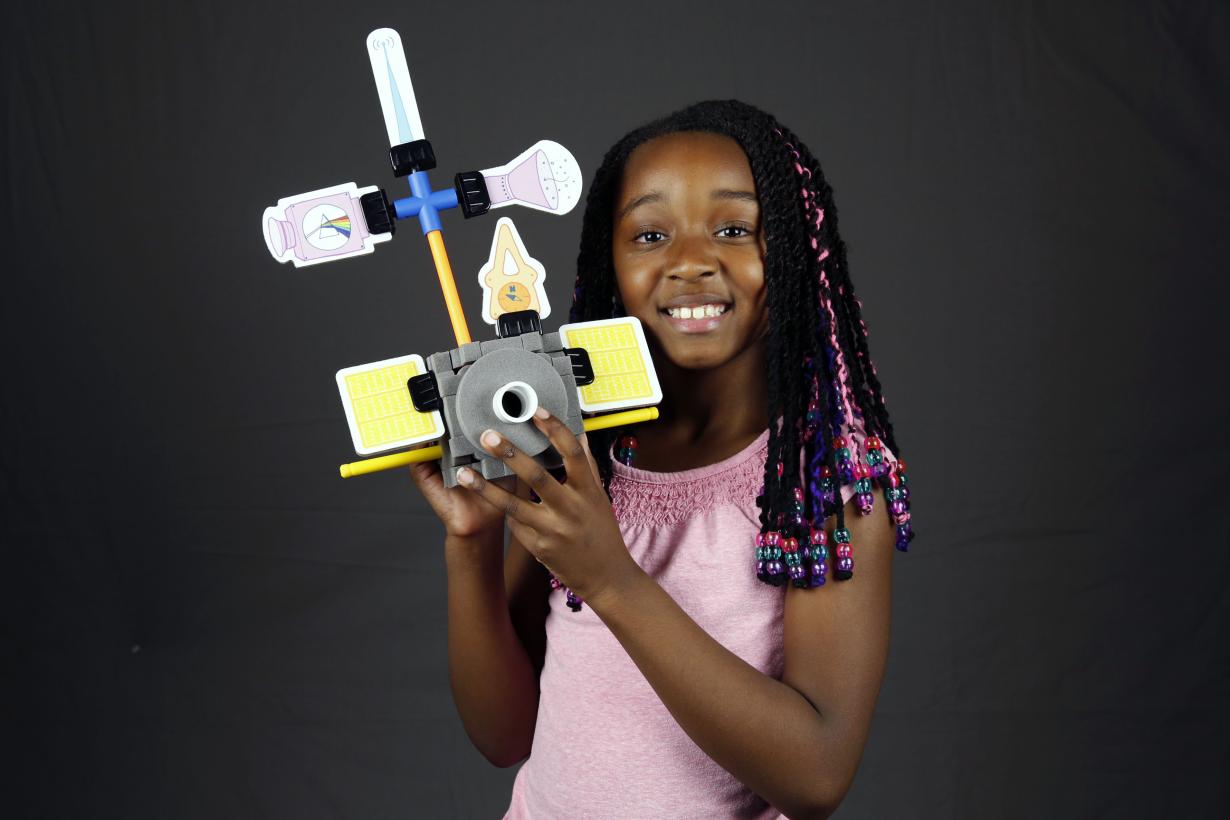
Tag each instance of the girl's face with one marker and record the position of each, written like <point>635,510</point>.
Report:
<point>689,250</point>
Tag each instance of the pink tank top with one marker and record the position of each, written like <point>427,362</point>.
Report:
<point>604,744</point>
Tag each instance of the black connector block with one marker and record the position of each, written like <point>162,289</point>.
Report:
<point>516,322</point>
<point>472,195</point>
<point>379,212</point>
<point>412,156</point>
<point>582,368</point>
<point>424,392</point>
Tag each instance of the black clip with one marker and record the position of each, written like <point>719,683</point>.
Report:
<point>516,322</point>
<point>424,392</point>
<point>582,368</point>
<point>472,195</point>
<point>412,156</point>
<point>379,213</point>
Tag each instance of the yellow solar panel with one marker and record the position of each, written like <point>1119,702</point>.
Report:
<point>623,371</point>
<point>378,406</point>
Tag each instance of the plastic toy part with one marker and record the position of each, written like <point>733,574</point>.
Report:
<point>514,402</point>
<point>472,194</point>
<point>512,280</point>
<point>397,101</point>
<point>379,213</point>
<point>448,286</point>
<point>412,156</point>
<point>320,226</point>
<point>424,394</point>
<point>379,409</point>
<point>544,176</point>
<point>518,322</point>
<point>435,452</point>
<point>624,375</point>
<point>582,370</point>
<point>498,385</point>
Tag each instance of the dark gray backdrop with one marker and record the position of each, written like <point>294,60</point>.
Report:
<point>201,620</point>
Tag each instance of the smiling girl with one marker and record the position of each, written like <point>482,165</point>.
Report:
<point>673,631</point>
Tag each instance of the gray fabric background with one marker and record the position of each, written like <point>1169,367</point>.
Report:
<point>201,620</point>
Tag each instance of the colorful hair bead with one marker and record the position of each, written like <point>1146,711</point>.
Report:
<point>843,569</point>
<point>817,541</point>
<point>845,467</point>
<point>626,453</point>
<point>897,495</point>
<point>771,569</point>
<point>876,465</point>
<point>862,489</point>
<point>794,561</point>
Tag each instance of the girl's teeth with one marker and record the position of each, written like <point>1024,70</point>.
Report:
<point>698,312</point>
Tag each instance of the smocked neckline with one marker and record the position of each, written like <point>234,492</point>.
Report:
<point>694,474</point>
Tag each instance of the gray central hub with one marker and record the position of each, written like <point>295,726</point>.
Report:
<point>502,390</point>
<point>498,384</point>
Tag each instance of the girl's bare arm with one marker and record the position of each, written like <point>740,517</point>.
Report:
<point>797,741</point>
<point>496,641</point>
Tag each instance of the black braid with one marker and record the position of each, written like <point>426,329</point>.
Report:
<point>798,330</point>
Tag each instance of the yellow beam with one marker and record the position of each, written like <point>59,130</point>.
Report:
<point>403,459</point>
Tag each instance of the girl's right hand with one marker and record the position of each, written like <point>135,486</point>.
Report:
<point>465,514</point>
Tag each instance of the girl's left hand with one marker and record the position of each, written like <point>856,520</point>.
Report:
<point>572,531</point>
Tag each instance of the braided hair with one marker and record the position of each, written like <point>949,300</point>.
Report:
<point>819,370</point>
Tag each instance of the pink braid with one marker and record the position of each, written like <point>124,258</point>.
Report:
<point>843,374</point>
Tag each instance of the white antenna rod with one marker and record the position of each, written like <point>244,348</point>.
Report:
<point>401,110</point>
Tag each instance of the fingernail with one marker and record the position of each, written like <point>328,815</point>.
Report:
<point>491,438</point>
<point>541,412</point>
<point>465,476</point>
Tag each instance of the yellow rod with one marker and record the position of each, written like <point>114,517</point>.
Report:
<point>408,457</point>
<point>623,417</point>
<point>447,284</point>
<point>392,461</point>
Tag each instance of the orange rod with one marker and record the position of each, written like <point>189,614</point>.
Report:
<point>451,300</point>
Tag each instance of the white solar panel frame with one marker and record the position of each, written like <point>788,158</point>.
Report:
<point>437,420</point>
<point>619,404</point>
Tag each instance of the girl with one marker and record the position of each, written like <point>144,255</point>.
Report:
<point>715,668</point>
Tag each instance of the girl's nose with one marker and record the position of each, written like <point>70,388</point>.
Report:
<point>691,260</point>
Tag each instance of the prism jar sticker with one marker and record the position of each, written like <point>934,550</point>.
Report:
<point>512,280</point>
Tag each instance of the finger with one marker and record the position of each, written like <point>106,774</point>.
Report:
<point>513,507</point>
<point>526,536</point>
<point>565,442</point>
<point>593,464</point>
<point>526,468</point>
<point>426,477</point>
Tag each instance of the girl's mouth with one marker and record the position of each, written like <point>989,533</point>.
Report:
<point>697,319</point>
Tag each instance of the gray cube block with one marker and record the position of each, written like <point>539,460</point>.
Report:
<point>440,362</point>
<point>466,354</point>
<point>501,344</point>
<point>446,382</point>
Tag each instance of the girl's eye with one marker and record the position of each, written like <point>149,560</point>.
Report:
<point>650,237</point>
<point>725,233</point>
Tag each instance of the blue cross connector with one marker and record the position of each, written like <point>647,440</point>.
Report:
<point>425,203</point>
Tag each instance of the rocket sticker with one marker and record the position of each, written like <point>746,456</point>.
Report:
<point>511,279</point>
